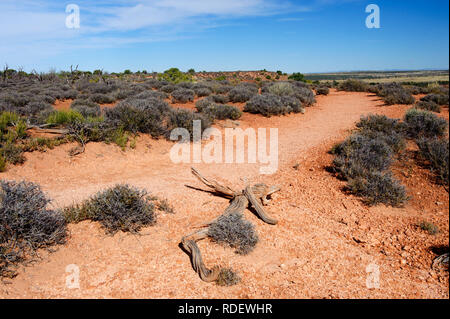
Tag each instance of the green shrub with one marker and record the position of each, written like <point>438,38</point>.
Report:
<point>174,75</point>
<point>64,117</point>
<point>7,119</point>
<point>297,77</point>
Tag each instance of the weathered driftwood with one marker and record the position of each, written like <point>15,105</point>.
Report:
<point>256,195</point>
<point>45,129</point>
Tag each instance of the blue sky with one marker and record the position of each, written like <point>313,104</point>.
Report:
<point>214,35</point>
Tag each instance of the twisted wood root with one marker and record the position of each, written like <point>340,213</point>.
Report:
<point>255,195</point>
<point>189,243</point>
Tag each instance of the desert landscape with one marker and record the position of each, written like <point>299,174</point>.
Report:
<point>326,234</point>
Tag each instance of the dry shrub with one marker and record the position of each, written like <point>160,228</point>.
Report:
<point>232,230</point>
<point>26,224</point>
<point>121,207</point>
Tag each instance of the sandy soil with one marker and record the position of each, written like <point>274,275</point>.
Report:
<point>321,248</point>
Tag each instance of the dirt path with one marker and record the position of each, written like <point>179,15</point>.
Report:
<point>311,253</point>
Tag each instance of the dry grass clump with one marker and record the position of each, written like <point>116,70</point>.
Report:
<point>232,230</point>
<point>430,228</point>
<point>227,277</point>
<point>26,224</point>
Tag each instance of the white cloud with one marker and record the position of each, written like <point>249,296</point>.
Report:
<point>39,26</point>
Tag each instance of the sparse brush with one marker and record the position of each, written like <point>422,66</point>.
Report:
<point>164,206</point>
<point>180,118</point>
<point>102,98</point>
<point>183,95</point>
<point>227,277</point>
<point>232,230</point>
<point>351,85</point>
<point>428,105</point>
<point>26,224</point>
<point>422,123</point>
<point>378,188</point>
<point>241,94</point>
<point>430,228</point>
<point>221,112</point>
<point>121,207</point>
<point>322,90</point>
<point>63,117</point>
<point>151,95</point>
<point>440,99</point>
<point>267,104</point>
<point>436,152</point>
<point>202,91</point>
<point>221,99</point>
<point>136,115</point>
<point>360,155</point>
<point>394,93</point>
<point>169,88</point>
<point>280,89</point>
<point>87,108</point>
